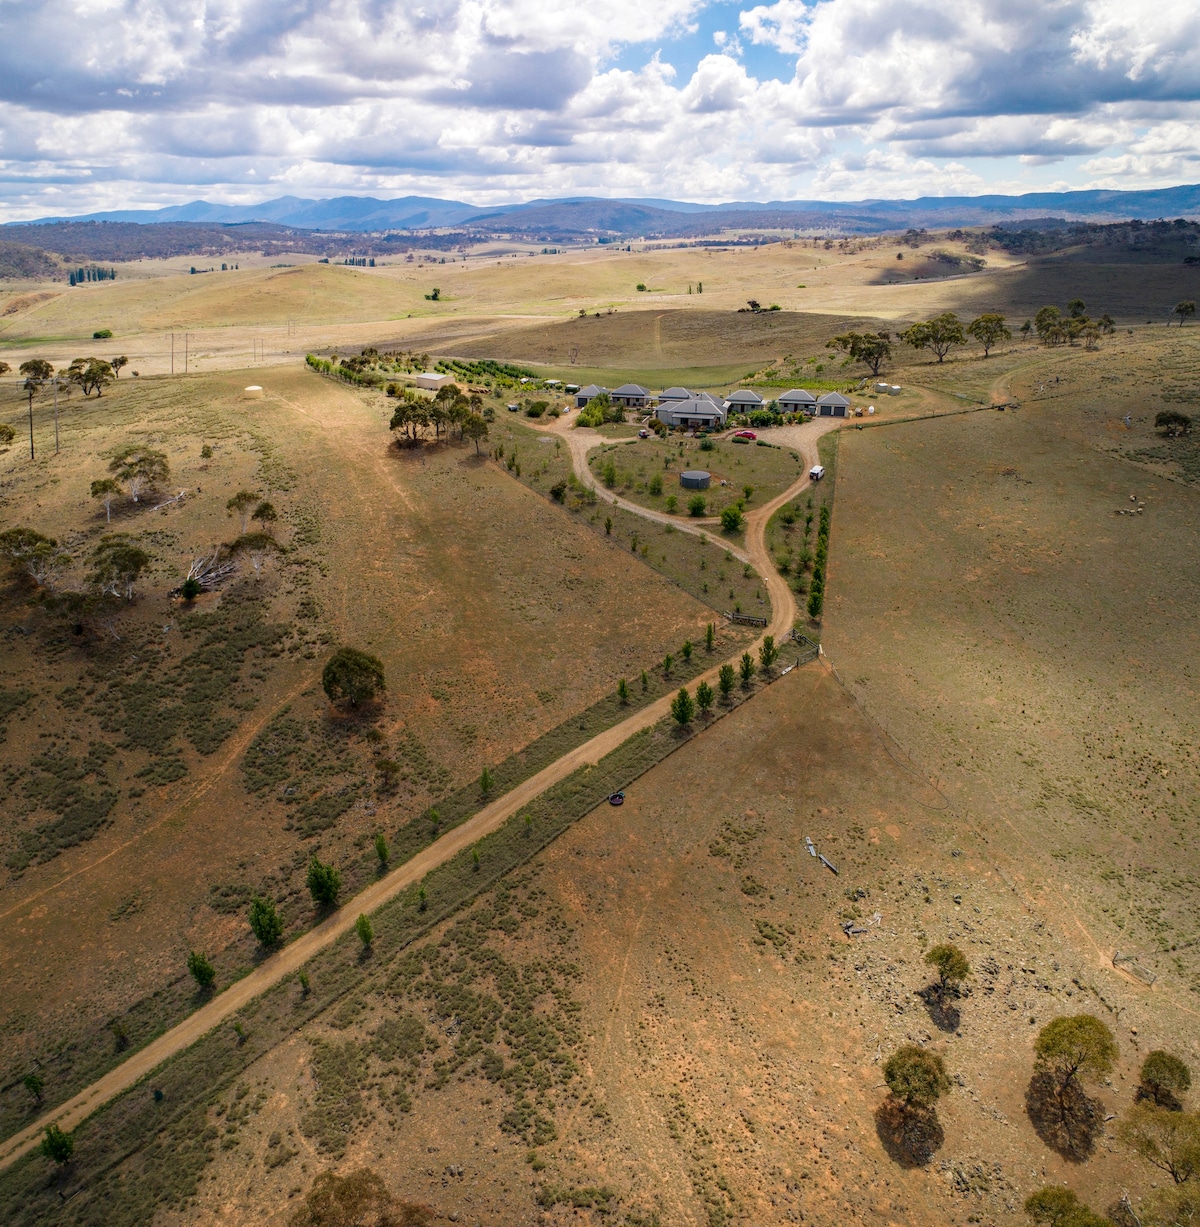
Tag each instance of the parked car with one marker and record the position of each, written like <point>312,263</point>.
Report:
<point>643,433</point>
<point>513,408</point>
<point>744,434</point>
<point>816,472</point>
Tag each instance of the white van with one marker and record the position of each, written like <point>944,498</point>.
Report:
<point>816,472</point>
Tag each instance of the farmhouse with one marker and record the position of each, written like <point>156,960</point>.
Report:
<point>743,401</point>
<point>632,396</point>
<point>698,411</point>
<point>798,401</point>
<point>673,394</point>
<point>832,405</point>
<point>584,395</point>
<point>433,380</point>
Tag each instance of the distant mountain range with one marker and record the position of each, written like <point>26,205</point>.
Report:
<point>578,217</point>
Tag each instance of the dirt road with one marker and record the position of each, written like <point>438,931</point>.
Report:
<point>292,957</point>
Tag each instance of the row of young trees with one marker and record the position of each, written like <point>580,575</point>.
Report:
<point>816,589</point>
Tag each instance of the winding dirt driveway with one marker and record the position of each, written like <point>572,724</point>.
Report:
<point>293,956</point>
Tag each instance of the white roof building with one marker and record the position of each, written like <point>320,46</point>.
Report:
<point>433,380</point>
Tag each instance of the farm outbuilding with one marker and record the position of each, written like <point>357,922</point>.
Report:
<point>798,400</point>
<point>431,381</point>
<point>832,405</point>
<point>695,479</point>
<point>585,395</point>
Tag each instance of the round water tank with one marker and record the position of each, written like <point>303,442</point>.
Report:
<point>694,479</point>
<point>253,392</point>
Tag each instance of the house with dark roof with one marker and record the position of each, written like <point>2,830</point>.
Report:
<point>584,395</point>
<point>743,401</point>
<point>696,411</point>
<point>832,405</point>
<point>632,396</point>
<point>798,400</point>
<point>673,394</point>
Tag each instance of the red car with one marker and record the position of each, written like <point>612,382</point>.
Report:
<point>744,434</point>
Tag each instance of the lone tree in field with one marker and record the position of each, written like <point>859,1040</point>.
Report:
<point>34,1084</point>
<point>116,566</point>
<point>916,1077</point>
<point>1058,1206</point>
<point>1171,423</point>
<point>323,881</point>
<point>58,1145</point>
<point>989,330</point>
<point>106,490</point>
<point>1072,1049</point>
<point>203,972</point>
<point>382,851</point>
<point>91,375</point>
<point>1184,310</point>
<point>939,334</point>
<point>265,920</point>
<point>352,677</point>
<point>139,468</point>
<point>683,707</point>
<point>242,504</point>
<point>265,516</point>
<point>1167,1140</point>
<point>731,518</point>
<point>1164,1078</point>
<point>952,967</point>
<point>873,348</point>
<point>362,926</point>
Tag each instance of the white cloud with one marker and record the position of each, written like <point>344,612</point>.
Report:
<point>164,100</point>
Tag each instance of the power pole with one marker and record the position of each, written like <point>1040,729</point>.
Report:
<point>172,353</point>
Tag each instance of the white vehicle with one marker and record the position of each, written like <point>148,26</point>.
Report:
<point>816,472</point>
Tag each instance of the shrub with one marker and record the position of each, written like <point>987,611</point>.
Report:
<point>731,519</point>
<point>655,485</point>
<point>1058,1206</point>
<point>697,504</point>
<point>951,965</point>
<point>265,921</point>
<point>748,668</point>
<point>102,334</point>
<point>323,881</point>
<point>352,676</point>
<point>362,926</point>
<point>382,851</point>
<point>1167,1140</point>
<point>623,691</point>
<point>1164,1077</point>
<point>672,504</point>
<point>58,1145</point>
<point>203,972</point>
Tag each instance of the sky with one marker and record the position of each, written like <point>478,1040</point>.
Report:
<point>141,103</point>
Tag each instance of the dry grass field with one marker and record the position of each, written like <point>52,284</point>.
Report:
<point>142,805</point>
<point>658,1017</point>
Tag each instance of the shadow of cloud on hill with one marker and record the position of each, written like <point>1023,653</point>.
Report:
<point>1069,1124</point>
<point>910,1136</point>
